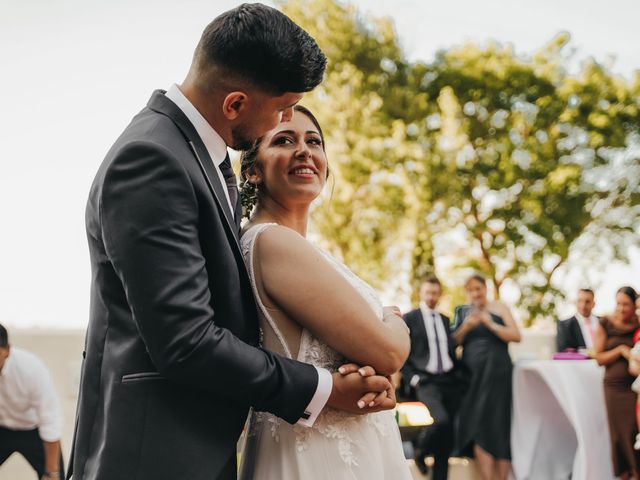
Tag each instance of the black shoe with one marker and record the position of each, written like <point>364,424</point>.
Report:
<point>418,458</point>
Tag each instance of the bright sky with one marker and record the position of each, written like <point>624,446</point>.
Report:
<point>74,72</point>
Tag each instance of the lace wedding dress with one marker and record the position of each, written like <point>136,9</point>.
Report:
<point>339,445</point>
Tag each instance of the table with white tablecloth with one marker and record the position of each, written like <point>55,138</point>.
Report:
<point>560,428</point>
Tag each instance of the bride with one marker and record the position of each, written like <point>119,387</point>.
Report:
<point>313,309</point>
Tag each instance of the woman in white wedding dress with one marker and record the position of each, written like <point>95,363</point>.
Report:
<point>314,309</point>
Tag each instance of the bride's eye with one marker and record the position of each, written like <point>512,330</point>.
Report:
<point>314,141</point>
<point>283,140</point>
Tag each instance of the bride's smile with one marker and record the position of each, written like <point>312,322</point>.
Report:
<point>293,164</point>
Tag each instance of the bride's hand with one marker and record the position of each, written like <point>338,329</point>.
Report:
<point>371,399</point>
<point>391,310</point>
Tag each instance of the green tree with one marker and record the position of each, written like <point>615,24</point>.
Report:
<point>363,219</point>
<point>535,155</point>
<point>517,160</point>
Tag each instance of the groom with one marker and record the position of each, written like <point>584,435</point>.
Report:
<point>171,364</point>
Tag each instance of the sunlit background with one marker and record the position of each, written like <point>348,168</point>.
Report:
<point>74,72</point>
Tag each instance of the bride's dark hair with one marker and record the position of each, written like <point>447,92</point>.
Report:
<point>248,158</point>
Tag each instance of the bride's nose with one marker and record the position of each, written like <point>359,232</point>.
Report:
<point>302,150</point>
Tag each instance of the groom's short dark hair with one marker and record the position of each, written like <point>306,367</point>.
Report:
<point>263,46</point>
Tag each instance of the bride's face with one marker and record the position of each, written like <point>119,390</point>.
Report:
<point>292,165</point>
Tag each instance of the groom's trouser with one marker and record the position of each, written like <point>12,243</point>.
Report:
<point>441,394</point>
<point>230,470</point>
<point>28,444</point>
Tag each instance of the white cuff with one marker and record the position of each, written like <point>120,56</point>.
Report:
<point>319,400</point>
<point>414,380</point>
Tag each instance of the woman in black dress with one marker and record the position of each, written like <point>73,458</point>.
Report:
<point>484,329</point>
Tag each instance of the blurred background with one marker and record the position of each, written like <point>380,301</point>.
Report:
<point>497,136</point>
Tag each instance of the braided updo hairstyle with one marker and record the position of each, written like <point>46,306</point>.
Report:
<point>249,192</point>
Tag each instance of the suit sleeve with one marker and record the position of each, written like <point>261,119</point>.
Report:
<point>408,370</point>
<point>149,216</point>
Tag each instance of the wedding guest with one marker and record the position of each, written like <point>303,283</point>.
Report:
<point>613,342</point>
<point>432,370</point>
<point>30,413</point>
<point>577,331</point>
<point>634,370</point>
<point>484,328</point>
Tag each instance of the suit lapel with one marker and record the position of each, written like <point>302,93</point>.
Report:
<point>577,331</point>
<point>422,331</point>
<point>161,104</point>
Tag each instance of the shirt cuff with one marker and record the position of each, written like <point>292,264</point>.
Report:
<point>319,400</point>
<point>414,381</point>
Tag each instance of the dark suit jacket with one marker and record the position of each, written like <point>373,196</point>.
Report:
<point>419,355</point>
<point>569,335</point>
<point>168,373</point>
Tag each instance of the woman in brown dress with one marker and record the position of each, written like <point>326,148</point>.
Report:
<point>613,342</point>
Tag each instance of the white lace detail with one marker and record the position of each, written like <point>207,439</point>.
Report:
<point>331,423</point>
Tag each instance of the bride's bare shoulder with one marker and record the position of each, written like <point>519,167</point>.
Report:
<point>283,242</point>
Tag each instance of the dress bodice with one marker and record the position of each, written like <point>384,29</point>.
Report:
<point>341,428</point>
<point>312,350</point>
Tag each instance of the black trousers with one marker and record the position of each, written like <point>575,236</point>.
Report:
<point>442,395</point>
<point>230,470</point>
<point>28,444</point>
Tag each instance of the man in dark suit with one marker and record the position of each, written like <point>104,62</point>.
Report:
<point>171,364</point>
<point>432,370</point>
<point>577,331</point>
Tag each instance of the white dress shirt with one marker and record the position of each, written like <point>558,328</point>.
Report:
<point>217,150</point>
<point>588,328</point>
<point>432,324</point>
<point>27,397</point>
<point>213,142</point>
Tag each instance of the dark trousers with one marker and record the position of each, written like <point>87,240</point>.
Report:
<point>28,444</point>
<point>230,470</point>
<point>441,394</point>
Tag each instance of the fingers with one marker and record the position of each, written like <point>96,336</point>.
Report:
<point>348,368</point>
<point>381,397</point>
<point>367,371</point>
<point>367,399</point>
<point>392,310</point>
<point>377,384</point>
<point>387,404</point>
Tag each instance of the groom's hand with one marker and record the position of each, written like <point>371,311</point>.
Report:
<point>371,399</point>
<point>359,391</point>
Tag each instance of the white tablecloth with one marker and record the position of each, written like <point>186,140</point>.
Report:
<point>560,428</point>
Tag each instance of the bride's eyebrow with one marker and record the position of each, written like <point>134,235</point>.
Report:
<point>293,132</point>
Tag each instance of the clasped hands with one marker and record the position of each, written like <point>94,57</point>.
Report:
<point>477,317</point>
<point>360,390</point>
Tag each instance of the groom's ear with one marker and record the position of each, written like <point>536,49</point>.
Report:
<point>233,105</point>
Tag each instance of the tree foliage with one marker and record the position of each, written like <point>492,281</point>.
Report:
<point>506,165</point>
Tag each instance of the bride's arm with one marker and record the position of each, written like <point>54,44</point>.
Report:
<point>302,283</point>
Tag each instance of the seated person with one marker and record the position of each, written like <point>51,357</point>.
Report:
<point>577,332</point>
<point>30,412</point>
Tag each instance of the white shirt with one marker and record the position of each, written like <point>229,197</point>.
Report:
<point>217,150</point>
<point>592,321</point>
<point>27,397</point>
<point>213,142</point>
<point>432,324</point>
